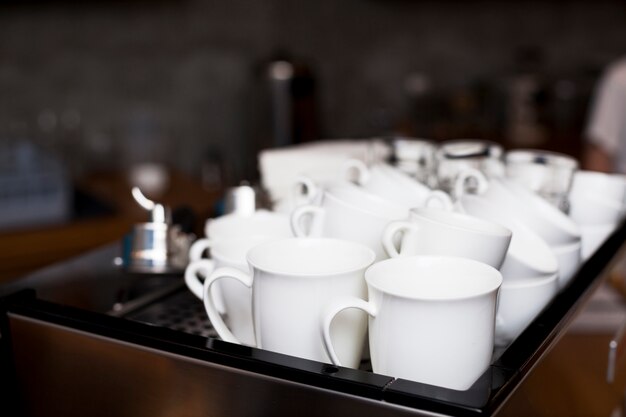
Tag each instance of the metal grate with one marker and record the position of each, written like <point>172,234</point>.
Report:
<point>181,311</point>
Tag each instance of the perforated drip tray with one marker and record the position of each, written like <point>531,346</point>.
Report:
<point>179,310</point>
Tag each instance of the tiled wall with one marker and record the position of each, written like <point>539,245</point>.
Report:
<point>115,82</point>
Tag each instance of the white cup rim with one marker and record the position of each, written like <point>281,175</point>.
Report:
<point>541,157</point>
<point>217,246</point>
<point>259,256</point>
<point>567,247</point>
<point>491,277</point>
<point>460,221</point>
<point>529,282</point>
<point>381,203</point>
<point>261,216</point>
<point>557,220</point>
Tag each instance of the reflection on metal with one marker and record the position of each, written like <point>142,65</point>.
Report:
<point>616,352</point>
<point>64,372</point>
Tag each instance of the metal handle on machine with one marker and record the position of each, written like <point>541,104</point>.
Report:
<point>616,352</point>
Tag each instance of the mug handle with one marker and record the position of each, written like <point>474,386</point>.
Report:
<point>459,184</point>
<point>191,275</point>
<point>197,249</point>
<point>335,307</point>
<point>389,235</point>
<point>298,214</point>
<point>362,171</point>
<point>209,304</point>
<point>441,200</point>
<point>311,190</point>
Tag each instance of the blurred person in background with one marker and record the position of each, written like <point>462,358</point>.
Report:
<point>605,148</point>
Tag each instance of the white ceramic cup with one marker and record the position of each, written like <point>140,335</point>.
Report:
<point>392,184</point>
<point>261,222</point>
<point>431,320</point>
<point>435,232</point>
<point>608,186</point>
<point>519,302</point>
<point>350,213</point>
<point>593,236</point>
<point>549,174</point>
<point>234,299</point>
<point>569,257</point>
<point>528,254</point>
<point>460,155</point>
<point>588,207</point>
<point>551,224</point>
<point>292,280</point>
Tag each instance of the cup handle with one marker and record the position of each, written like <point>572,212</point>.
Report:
<point>335,307</point>
<point>389,235</point>
<point>191,275</point>
<point>481,180</point>
<point>439,199</point>
<point>197,249</point>
<point>362,171</point>
<point>298,214</point>
<point>209,304</point>
<point>311,190</point>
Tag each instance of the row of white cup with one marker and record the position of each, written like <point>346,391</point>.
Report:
<point>544,252</point>
<point>424,311</point>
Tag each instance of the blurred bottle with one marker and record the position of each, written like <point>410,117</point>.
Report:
<point>283,104</point>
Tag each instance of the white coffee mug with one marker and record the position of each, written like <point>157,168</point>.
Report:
<point>528,254</point>
<point>432,319</point>
<point>607,186</point>
<point>233,300</point>
<point>455,157</point>
<point>261,222</point>
<point>549,174</point>
<point>551,224</point>
<point>588,207</point>
<point>519,302</point>
<point>392,184</point>
<point>350,213</point>
<point>292,280</point>
<point>435,232</point>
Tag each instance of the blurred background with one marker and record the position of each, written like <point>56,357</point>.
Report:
<point>200,86</point>
<point>105,84</point>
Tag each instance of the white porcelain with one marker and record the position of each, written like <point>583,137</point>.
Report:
<point>593,236</point>
<point>528,254</point>
<point>262,222</point>
<point>435,232</point>
<point>232,299</point>
<point>588,207</point>
<point>459,155</point>
<point>519,302</point>
<point>548,174</point>
<point>432,319</point>
<point>304,190</point>
<point>292,280</point>
<point>569,257</point>
<point>392,184</point>
<point>552,225</point>
<point>416,158</point>
<point>321,160</point>
<point>608,186</point>
<point>350,213</point>
<point>469,181</point>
